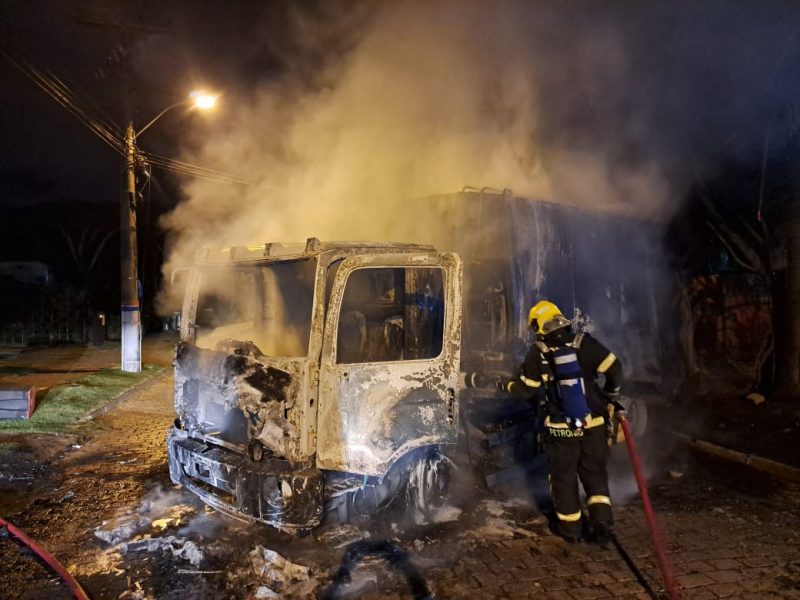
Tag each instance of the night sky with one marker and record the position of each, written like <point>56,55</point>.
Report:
<point>126,60</point>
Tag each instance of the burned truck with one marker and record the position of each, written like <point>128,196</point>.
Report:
<point>327,378</point>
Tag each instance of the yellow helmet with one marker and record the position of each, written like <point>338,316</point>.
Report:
<point>545,317</point>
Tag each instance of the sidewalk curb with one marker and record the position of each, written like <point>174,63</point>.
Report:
<point>124,396</point>
<point>759,463</point>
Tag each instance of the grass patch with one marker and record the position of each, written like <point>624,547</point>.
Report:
<point>64,404</point>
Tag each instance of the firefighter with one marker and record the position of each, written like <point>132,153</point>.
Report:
<point>562,367</point>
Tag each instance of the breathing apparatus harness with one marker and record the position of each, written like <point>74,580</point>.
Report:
<point>568,383</point>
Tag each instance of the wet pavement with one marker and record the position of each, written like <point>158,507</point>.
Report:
<point>108,511</point>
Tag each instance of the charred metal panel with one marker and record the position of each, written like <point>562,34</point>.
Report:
<point>220,394</point>
<point>604,270</point>
<point>370,414</point>
<point>544,259</point>
<point>381,411</point>
<point>277,492</point>
<point>601,270</point>
<point>619,280</point>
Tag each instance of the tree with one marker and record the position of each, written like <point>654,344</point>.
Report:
<point>85,247</point>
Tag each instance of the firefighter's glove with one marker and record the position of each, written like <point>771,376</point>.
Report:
<point>615,408</point>
<point>614,431</point>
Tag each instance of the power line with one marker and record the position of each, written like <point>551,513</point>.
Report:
<point>87,98</point>
<point>105,128</point>
<point>185,168</point>
<point>61,93</point>
<point>108,132</point>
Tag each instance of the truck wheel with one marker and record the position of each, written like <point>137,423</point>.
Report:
<point>636,411</point>
<point>428,487</point>
<point>415,486</point>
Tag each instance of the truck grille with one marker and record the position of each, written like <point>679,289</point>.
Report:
<point>214,418</point>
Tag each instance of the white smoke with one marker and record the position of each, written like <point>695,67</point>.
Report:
<point>383,102</point>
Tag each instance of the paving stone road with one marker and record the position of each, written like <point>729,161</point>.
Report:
<point>731,533</point>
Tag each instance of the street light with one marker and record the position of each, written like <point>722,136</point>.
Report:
<point>130,321</point>
<point>203,100</point>
<point>197,99</point>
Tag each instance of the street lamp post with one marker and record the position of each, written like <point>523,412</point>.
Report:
<point>131,317</point>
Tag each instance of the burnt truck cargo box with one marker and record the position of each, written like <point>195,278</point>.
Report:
<point>606,272</point>
<point>17,402</point>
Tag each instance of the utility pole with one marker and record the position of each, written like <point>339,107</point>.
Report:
<point>131,317</point>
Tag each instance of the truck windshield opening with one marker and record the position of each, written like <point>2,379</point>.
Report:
<point>268,305</point>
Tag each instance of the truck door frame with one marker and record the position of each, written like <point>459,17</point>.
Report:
<point>358,402</point>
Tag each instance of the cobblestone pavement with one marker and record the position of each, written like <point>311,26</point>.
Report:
<point>725,550</point>
<point>731,533</point>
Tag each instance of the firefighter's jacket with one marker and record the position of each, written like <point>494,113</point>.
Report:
<point>536,378</point>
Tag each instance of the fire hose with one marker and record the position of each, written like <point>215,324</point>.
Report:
<point>655,532</point>
<point>48,558</point>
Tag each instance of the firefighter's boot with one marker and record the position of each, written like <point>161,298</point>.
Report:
<point>600,519</point>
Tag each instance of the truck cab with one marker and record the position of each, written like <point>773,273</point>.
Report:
<point>308,374</point>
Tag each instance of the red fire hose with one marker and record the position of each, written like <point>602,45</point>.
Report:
<point>655,533</point>
<point>65,575</point>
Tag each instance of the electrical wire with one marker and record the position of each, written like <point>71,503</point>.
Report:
<point>185,168</point>
<point>87,98</point>
<point>109,129</point>
<point>63,97</point>
<point>180,171</point>
<point>180,166</point>
<point>106,129</point>
<point>57,90</point>
<point>60,92</point>
<point>159,188</point>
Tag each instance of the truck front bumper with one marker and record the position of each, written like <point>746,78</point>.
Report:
<point>276,492</point>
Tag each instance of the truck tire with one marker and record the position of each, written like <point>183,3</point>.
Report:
<point>414,488</point>
<point>429,484</point>
<point>636,411</point>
